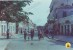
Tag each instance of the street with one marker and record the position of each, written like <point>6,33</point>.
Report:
<point>36,25</point>
<point>43,44</point>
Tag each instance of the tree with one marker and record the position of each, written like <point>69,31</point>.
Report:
<point>19,16</point>
<point>13,8</point>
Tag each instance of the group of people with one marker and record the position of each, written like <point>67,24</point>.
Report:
<point>29,34</point>
<point>48,33</point>
<point>40,34</point>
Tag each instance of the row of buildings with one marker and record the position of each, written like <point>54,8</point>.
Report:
<point>12,27</point>
<point>61,17</point>
<point>3,28</point>
<point>28,26</point>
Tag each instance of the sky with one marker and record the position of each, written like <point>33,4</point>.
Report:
<point>40,9</point>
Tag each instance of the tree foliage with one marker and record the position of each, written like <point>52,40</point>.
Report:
<point>14,8</point>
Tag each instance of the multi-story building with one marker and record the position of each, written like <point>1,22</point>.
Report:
<point>62,11</point>
<point>61,8</point>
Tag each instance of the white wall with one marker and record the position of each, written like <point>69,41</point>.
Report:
<point>12,28</point>
<point>3,27</point>
<point>24,26</point>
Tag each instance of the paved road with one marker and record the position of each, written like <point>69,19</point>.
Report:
<point>46,44</point>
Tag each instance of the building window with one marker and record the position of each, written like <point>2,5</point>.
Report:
<point>13,28</point>
<point>62,29</point>
<point>71,13</point>
<point>10,29</point>
<point>56,16</point>
<point>72,4</point>
<point>62,4</point>
<point>2,28</point>
<point>64,14</point>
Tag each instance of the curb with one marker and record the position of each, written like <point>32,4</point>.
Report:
<point>59,40</point>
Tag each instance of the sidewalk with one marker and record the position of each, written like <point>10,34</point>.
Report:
<point>17,36</point>
<point>63,38</point>
<point>3,45</point>
<point>4,42</point>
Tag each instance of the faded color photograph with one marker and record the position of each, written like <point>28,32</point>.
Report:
<point>36,24</point>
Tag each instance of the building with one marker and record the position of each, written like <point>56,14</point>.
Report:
<point>26,25</point>
<point>3,28</point>
<point>61,8</point>
<point>40,27</point>
<point>61,11</point>
<point>66,25</point>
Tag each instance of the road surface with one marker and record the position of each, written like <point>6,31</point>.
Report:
<point>44,44</point>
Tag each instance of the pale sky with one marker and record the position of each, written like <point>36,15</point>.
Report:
<point>40,9</point>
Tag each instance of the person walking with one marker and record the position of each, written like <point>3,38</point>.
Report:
<point>39,34</point>
<point>52,33</point>
<point>43,34</point>
<point>32,34</point>
<point>25,34</point>
<point>29,34</point>
<point>46,32</point>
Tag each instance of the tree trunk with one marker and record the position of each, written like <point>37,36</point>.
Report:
<point>17,27</point>
<point>7,31</point>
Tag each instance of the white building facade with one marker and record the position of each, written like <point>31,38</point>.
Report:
<point>27,26</point>
<point>3,28</point>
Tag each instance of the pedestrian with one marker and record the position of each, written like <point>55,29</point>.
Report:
<point>25,34</point>
<point>46,32</point>
<point>42,34</point>
<point>21,30</point>
<point>8,34</point>
<point>29,35</point>
<point>52,33</point>
<point>39,34</point>
<point>32,34</point>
